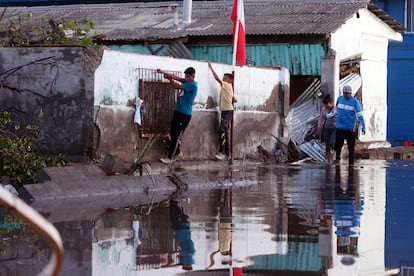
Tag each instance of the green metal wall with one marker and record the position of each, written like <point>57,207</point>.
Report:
<point>299,59</point>
<point>140,49</point>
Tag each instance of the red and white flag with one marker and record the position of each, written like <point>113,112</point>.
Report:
<point>239,34</point>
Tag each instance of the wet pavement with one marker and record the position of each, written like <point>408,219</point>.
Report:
<point>310,219</point>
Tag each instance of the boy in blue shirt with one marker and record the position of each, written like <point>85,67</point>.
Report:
<point>183,109</point>
<point>348,111</point>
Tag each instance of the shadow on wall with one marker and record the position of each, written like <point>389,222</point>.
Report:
<point>53,89</point>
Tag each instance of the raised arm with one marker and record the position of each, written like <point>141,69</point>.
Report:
<point>172,78</point>
<point>214,73</point>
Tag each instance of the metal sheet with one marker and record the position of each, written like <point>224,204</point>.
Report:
<point>157,20</point>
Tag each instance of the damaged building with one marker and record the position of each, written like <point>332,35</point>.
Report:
<point>323,45</point>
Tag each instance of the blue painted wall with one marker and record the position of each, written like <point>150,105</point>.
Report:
<point>400,80</point>
<point>399,240</point>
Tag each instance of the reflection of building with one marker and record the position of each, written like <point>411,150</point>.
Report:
<point>359,241</point>
<point>118,248</point>
<point>157,246</point>
<point>295,221</point>
<point>295,226</point>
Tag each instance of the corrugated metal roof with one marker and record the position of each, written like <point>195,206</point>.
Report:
<point>155,20</point>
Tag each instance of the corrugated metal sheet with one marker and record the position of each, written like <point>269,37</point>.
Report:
<point>304,112</point>
<point>140,49</point>
<point>303,117</point>
<point>299,59</point>
<point>401,95</point>
<point>155,20</point>
<point>354,80</point>
<point>314,149</point>
<point>302,120</point>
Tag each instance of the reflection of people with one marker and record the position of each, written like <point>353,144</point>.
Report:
<point>182,233</point>
<point>226,115</point>
<point>327,127</point>
<point>348,208</point>
<point>224,225</point>
<point>183,110</point>
<point>349,110</point>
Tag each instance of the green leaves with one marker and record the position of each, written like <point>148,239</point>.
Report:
<point>47,32</point>
<point>18,159</point>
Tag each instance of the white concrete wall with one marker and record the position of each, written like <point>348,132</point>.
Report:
<point>256,119</point>
<point>117,79</point>
<point>368,36</point>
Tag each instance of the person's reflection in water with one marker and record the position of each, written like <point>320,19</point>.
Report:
<point>348,208</point>
<point>224,226</point>
<point>182,233</point>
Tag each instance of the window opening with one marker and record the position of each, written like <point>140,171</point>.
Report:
<point>159,101</point>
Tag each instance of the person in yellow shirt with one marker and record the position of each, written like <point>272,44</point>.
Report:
<point>226,112</point>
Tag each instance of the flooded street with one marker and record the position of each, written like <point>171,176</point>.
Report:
<point>286,220</point>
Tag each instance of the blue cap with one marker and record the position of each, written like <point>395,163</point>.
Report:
<point>347,88</point>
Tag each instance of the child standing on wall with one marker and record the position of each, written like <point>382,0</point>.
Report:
<point>226,113</point>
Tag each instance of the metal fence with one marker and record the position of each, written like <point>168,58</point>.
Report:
<point>159,102</point>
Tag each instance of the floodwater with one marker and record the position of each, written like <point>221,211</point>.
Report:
<point>286,220</point>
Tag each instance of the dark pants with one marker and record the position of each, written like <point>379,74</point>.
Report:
<point>182,233</point>
<point>329,136</point>
<point>179,122</point>
<point>223,132</point>
<point>350,137</point>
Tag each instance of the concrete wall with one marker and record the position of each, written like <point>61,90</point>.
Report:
<point>256,117</point>
<point>82,100</point>
<point>52,88</point>
<point>368,36</point>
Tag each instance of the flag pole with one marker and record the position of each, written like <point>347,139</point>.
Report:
<point>235,41</point>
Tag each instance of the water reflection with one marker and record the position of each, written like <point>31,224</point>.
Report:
<point>223,226</point>
<point>341,207</point>
<point>182,235</point>
<point>306,220</point>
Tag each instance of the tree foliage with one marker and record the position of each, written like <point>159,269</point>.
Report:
<point>18,158</point>
<point>24,31</point>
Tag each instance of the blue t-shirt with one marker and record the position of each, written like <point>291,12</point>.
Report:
<point>185,102</point>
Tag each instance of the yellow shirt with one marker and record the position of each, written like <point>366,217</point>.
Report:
<point>224,236</point>
<point>226,96</point>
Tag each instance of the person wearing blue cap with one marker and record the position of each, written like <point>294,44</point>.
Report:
<point>348,112</point>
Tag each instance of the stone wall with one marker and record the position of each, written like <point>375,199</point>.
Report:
<point>53,88</point>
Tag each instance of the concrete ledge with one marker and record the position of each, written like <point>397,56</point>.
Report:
<point>394,153</point>
<point>82,191</point>
<point>99,186</point>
